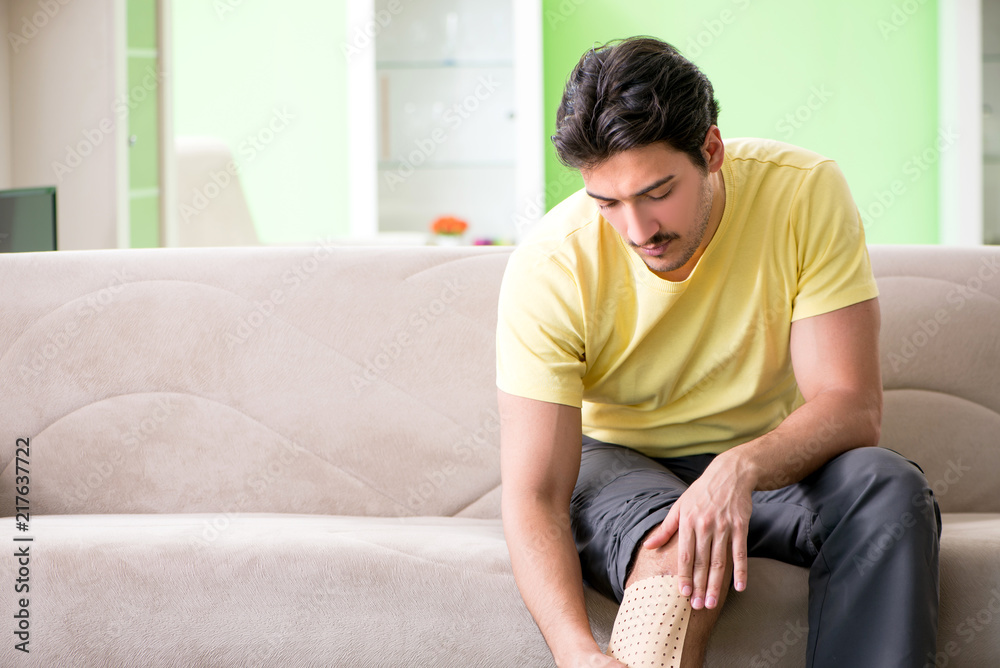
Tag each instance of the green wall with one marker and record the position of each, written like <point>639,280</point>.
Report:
<point>867,67</point>
<point>143,124</point>
<point>241,66</point>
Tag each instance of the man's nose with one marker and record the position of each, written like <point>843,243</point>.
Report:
<point>638,228</point>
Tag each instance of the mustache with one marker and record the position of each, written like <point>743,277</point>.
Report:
<point>655,240</point>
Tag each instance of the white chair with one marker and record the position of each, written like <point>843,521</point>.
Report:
<point>211,208</point>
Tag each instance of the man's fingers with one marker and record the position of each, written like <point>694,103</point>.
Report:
<point>702,561</point>
<point>717,570</point>
<point>685,560</point>
<point>662,533</point>
<point>740,565</point>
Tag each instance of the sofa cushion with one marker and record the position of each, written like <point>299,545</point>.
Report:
<point>969,621</point>
<point>274,589</point>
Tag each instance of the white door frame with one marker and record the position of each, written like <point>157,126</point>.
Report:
<point>960,110</point>
<point>529,106</point>
<point>123,227</point>
<point>168,186</point>
<point>362,137</point>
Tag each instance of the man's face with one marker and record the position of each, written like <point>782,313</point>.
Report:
<point>659,202</point>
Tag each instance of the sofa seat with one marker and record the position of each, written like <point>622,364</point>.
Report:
<point>175,589</point>
<point>970,544</point>
<point>255,589</point>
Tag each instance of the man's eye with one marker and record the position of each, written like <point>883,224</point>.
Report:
<point>662,196</point>
<point>606,205</point>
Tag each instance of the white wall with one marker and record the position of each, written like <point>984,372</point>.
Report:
<point>4,99</point>
<point>62,99</point>
<point>268,77</point>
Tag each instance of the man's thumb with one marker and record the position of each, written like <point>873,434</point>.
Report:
<point>663,533</point>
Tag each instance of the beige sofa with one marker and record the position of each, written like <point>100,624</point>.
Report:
<point>289,456</point>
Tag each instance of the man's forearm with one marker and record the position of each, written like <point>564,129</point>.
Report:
<point>829,424</point>
<point>547,571</point>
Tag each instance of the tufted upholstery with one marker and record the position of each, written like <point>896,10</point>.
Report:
<point>341,381</point>
<point>289,456</point>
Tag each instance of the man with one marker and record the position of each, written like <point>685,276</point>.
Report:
<point>688,374</point>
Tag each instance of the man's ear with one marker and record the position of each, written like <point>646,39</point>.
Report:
<point>713,149</point>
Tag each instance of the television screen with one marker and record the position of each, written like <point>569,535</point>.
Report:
<point>27,220</point>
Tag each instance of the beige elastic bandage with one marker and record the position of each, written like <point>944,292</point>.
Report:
<point>651,623</point>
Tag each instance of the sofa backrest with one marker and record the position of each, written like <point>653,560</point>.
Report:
<point>335,380</point>
<point>940,348</point>
<point>360,380</point>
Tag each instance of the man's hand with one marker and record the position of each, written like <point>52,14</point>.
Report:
<point>710,520</point>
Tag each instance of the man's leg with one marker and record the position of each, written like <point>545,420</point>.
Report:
<point>620,496</point>
<point>867,525</point>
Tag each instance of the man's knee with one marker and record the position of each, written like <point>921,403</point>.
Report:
<point>647,563</point>
<point>888,489</point>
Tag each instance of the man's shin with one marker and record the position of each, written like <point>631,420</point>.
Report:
<point>651,624</point>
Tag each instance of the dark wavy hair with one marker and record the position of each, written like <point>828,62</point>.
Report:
<point>630,93</point>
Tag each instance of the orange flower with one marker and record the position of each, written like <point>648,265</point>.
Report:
<point>449,225</point>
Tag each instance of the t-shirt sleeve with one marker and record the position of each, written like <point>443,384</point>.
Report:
<point>834,269</point>
<point>540,336</point>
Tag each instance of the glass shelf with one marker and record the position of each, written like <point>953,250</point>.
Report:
<point>439,64</point>
<point>397,164</point>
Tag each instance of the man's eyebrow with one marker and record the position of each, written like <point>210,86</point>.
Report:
<point>641,192</point>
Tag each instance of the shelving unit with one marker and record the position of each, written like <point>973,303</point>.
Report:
<point>446,117</point>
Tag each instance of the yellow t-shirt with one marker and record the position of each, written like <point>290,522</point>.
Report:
<point>700,365</point>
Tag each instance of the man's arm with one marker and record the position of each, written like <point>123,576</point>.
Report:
<point>836,362</point>
<point>540,445</point>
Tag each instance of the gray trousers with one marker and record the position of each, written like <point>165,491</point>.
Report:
<point>866,524</point>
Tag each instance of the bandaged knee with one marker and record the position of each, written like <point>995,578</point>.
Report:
<point>651,624</point>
